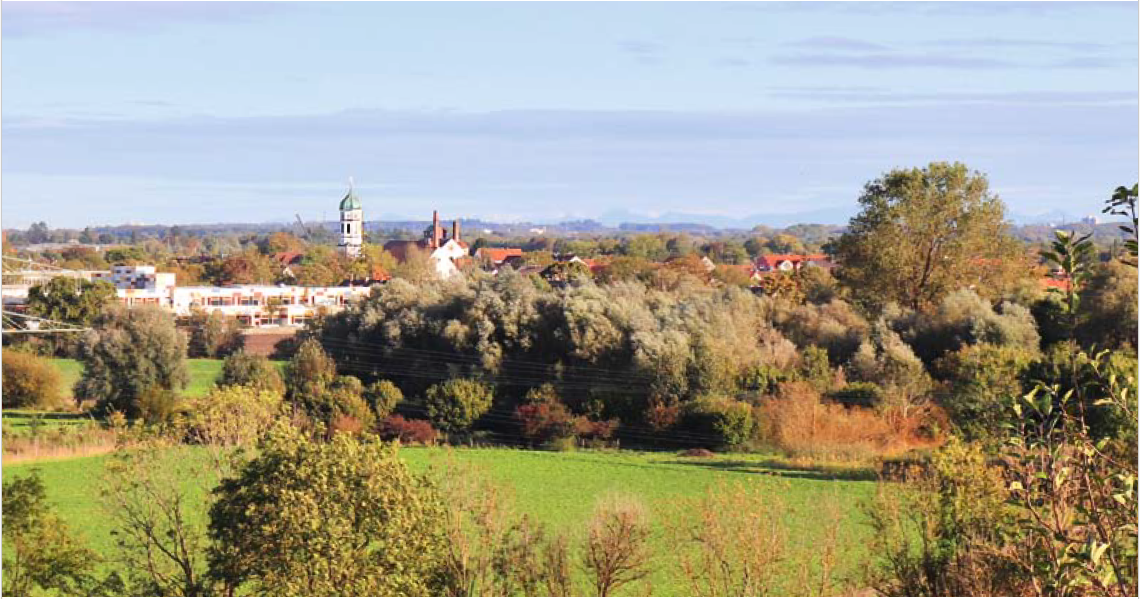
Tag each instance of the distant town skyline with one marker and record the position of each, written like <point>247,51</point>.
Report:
<point>181,113</point>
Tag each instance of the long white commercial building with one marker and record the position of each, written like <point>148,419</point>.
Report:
<point>252,305</point>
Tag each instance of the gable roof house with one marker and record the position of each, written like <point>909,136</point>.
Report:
<point>791,262</point>
<point>443,251</point>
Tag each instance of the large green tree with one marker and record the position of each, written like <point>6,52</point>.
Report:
<point>70,300</point>
<point>128,352</point>
<point>924,232</point>
<point>317,519</point>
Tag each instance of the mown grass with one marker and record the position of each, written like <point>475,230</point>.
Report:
<point>560,489</point>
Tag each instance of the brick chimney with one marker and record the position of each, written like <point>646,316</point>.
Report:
<point>435,230</point>
<point>455,230</point>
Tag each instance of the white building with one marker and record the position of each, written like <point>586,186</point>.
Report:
<point>139,285</point>
<point>265,305</point>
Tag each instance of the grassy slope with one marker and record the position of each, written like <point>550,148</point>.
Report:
<point>559,489</point>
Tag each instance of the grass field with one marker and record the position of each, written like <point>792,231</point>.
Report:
<point>560,489</point>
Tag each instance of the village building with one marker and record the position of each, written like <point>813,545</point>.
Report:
<point>447,254</point>
<point>791,262</point>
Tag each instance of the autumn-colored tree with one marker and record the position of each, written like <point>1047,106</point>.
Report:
<point>924,232</point>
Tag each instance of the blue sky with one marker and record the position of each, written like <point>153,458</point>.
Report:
<point>224,112</point>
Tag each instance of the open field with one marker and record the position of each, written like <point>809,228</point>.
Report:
<point>560,489</point>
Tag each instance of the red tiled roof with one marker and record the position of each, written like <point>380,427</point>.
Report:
<point>1059,284</point>
<point>498,255</point>
<point>287,258</point>
<point>772,261</point>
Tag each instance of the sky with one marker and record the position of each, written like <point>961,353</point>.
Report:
<point>738,112</point>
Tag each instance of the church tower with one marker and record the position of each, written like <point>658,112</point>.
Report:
<point>351,224</point>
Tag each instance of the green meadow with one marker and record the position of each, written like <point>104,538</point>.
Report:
<point>560,489</point>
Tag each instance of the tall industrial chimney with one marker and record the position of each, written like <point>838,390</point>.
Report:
<point>455,229</point>
<point>435,231</point>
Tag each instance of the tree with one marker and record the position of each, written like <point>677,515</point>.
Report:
<point>29,381</point>
<point>38,233</point>
<point>1110,301</point>
<point>251,370</point>
<point>318,519</point>
<point>40,554</point>
<point>456,404</point>
<point>151,493</point>
<point>128,352</point>
<point>213,335</point>
<point>383,396</point>
<point>314,388</point>
<point>310,368</point>
<point>923,233</point>
<point>416,267</point>
<point>70,300</point>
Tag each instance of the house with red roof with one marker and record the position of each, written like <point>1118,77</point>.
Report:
<point>791,262</point>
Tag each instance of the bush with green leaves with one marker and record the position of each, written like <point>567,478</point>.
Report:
<point>250,370</point>
<point>718,422</point>
<point>383,396</point>
<point>127,352</point>
<point>30,381</point>
<point>454,405</point>
<point>981,381</point>
<point>342,518</point>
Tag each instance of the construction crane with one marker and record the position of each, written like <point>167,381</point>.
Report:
<point>308,233</point>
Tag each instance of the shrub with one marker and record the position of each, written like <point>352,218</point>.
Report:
<point>234,415</point>
<point>456,404</point>
<point>156,405</point>
<point>384,396</point>
<point>29,381</point>
<point>858,395</point>
<point>249,370</point>
<point>799,423</point>
<point>545,421</point>
<point>933,535</point>
<point>719,422</point>
<point>617,549</point>
<point>408,432</point>
<point>735,544</point>
<point>982,381</point>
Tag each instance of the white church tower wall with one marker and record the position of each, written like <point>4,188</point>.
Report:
<point>351,224</point>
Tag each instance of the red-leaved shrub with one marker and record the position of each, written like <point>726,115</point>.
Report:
<point>545,420</point>
<point>408,431</point>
